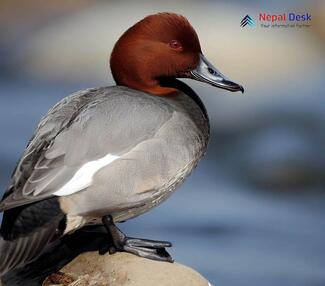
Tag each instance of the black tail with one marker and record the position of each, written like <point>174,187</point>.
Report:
<point>18,252</point>
<point>27,231</point>
<point>70,246</point>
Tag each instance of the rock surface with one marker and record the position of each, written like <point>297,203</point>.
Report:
<point>123,269</point>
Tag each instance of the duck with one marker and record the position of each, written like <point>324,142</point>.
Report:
<point>105,155</point>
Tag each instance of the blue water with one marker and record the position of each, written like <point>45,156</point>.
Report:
<point>232,232</point>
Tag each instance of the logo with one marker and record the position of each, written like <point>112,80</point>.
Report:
<point>247,20</point>
<point>278,20</point>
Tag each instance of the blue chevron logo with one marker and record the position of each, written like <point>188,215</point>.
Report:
<point>247,20</point>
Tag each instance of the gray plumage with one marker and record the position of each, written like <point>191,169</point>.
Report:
<point>158,142</point>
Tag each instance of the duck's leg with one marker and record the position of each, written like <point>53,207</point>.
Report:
<point>146,248</point>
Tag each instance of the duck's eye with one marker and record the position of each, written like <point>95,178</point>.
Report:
<point>176,45</point>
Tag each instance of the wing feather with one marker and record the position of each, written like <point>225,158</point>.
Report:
<point>35,168</point>
<point>86,127</point>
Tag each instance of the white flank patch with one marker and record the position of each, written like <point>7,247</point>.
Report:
<point>84,176</point>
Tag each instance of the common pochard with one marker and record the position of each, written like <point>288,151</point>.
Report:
<point>105,155</point>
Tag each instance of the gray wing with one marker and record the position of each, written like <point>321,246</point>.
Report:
<point>81,128</point>
<point>33,165</point>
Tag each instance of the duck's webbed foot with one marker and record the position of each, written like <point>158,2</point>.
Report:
<point>146,248</point>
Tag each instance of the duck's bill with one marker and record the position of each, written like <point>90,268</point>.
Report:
<point>207,73</point>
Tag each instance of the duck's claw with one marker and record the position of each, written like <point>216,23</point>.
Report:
<point>159,254</point>
<point>145,248</point>
<point>139,242</point>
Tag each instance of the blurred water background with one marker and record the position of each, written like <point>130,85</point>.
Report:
<point>253,212</point>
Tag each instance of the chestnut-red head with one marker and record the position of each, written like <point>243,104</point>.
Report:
<point>163,45</point>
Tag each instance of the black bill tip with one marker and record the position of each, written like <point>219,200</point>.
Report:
<point>229,85</point>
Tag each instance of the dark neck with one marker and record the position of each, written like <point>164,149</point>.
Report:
<point>181,86</point>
